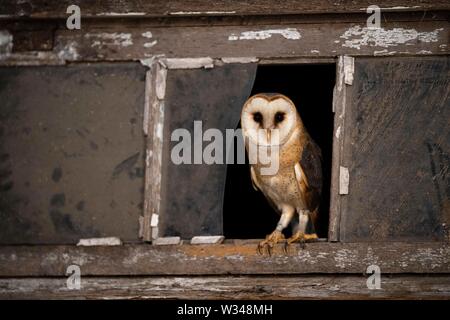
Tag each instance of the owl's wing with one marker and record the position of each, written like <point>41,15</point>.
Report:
<point>308,172</point>
<point>254,179</point>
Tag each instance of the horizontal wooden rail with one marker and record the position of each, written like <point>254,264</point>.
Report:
<point>231,287</point>
<point>237,258</point>
<point>162,8</point>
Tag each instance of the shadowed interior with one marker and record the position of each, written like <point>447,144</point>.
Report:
<point>247,214</point>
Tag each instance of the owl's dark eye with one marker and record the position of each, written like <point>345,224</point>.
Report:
<point>279,117</point>
<point>257,116</point>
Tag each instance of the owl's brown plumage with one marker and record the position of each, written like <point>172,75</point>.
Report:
<point>295,187</point>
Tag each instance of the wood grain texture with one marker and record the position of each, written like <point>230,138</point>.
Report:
<point>261,287</point>
<point>225,259</point>
<point>316,40</point>
<point>339,101</point>
<point>397,148</point>
<point>113,42</point>
<point>155,92</point>
<point>161,8</point>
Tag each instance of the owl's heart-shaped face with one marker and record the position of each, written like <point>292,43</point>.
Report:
<point>269,120</point>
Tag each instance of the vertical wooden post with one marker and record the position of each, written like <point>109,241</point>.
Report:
<point>344,77</point>
<point>154,128</point>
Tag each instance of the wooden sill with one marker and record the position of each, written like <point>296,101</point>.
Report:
<point>237,258</point>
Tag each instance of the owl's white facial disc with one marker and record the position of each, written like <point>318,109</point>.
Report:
<point>268,122</point>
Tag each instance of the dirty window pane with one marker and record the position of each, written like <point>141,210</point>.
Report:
<point>71,152</point>
<point>397,148</point>
<point>192,195</point>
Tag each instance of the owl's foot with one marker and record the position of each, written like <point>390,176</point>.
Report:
<point>301,238</point>
<point>270,241</point>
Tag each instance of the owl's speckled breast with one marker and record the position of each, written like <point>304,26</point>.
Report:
<point>282,188</point>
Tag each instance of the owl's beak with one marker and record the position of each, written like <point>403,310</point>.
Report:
<point>269,134</point>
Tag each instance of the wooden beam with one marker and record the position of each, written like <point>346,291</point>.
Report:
<point>231,287</point>
<point>316,40</point>
<point>161,8</point>
<point>239,257</point>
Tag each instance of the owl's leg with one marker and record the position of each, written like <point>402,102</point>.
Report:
<point>277,235</point>
<point>305,230</point>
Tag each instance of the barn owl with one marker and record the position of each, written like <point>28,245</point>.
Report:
<point>296,187</point>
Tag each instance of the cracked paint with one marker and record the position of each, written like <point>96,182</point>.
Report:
<point>357,36</point>
<point>288,33</point>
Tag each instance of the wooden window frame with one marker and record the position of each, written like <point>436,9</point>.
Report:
<point>233,257</point>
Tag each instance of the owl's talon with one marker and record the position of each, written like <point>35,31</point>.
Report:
<point>260,249</point>
<point>301,238</point>
<point>270,242</point>
<point>269,250</point>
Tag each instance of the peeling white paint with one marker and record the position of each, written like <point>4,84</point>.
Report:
<point>239,59</point>
<point>161,85</point>
<point>399,8</point>
<point>349,69</point>
<point>343,257</point>
<point>424,52</point>
<point>108,39</point>
<point>155,220</point>
<point>344,179</point>
<point>150,44</point>
<point>338,132</point>
<point>6,43</point>
<point>69,51</point>
<point>384,52</point>
<point>188,63</point>
<point>159,131</point>
<point>115,14</point>
<point>200,12</point>
<point>108,241</point>
<point>434,257</point>
<point>288,33</point>
<point>147,34</point>
<point>165,241</point>
<point>207,239</point>
<point>150,60</point>
<point>357,36</point>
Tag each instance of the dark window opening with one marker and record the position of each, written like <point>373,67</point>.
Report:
<point>246,213</point>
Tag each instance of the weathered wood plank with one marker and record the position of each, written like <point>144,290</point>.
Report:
<point>397,151</point>
<point>153,168</point>
<point>228,258</point>
<point>283,41</point>
<point>161,8</point>
<point>316,40</point>
<point>261,287</point>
